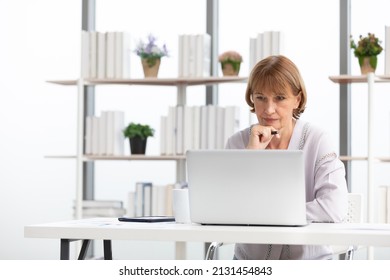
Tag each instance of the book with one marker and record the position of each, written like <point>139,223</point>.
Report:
<point>203,55</point>
<point>101,204</point>
<point>387,50</point>
<point>88,135</point>
<point>203,127</point>
<point>179,130</point>
<point>259,47</point>
<point>220,128</point>
<point>188,128</point>
<point>267,44</point>
<point>277,45</point>
<point>140,198</point>
<point>252,53</point>
<point>122,55</point>
<point>101,55</point>
<point>232,121</point>
<point>110,55</point>
<point>163,135</point>
<point>93,54</point>
<point>85,57</point>
<point>118,137</point>
<point>196,127</point>
<point>103,133</point>
<point>211,126</point>
<point>95,135</point>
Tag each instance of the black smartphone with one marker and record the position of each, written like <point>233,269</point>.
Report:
<point>148,219</point>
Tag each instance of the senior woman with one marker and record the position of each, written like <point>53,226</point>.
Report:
<point>277,95</point>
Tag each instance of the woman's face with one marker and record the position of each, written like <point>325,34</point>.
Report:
<point>275,108</point>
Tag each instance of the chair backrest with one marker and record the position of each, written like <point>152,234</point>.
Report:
<point>355,209</point>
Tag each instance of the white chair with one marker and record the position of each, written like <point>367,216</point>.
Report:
<point>354,215</point>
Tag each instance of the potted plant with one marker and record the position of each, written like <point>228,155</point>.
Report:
<point>138,135</point>
<point>230,63</point>
<point>151,55</point>
<point>367,50</point>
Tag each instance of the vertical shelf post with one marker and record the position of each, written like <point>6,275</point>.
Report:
<point>370,126</point>
<point>79,148</point>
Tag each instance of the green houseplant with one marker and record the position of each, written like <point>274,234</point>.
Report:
<point>367,50</point>
<point>138,135</point>
<point>230,63</point>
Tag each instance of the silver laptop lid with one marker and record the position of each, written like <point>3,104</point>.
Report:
<point>247,187</point>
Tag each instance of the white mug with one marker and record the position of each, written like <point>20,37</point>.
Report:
<point>181,206</point>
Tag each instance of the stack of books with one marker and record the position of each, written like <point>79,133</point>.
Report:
<point>102,208</point>
<point>197,127</point>
<point>265,44</point>
<point>105,55</point>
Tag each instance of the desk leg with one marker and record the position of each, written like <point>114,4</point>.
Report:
<point>107,249</point>
<point>64,249</point>
<point>180,253</point>
<point>84,249</point>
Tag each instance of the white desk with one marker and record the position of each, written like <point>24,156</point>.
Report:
<point>108,229</point>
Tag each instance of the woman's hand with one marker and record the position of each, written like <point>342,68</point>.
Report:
<point>260,136</point>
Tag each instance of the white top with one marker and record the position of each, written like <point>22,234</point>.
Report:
<point>326,191</point>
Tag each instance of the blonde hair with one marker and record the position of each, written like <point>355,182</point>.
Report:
<point>276,73</point>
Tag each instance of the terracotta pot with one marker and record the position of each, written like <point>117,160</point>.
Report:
<point>368,64</point>
<point>151,66</point>
<point>230,68</point>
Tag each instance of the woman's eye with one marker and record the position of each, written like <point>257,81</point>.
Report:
<point>280,97</point>
<point>260,98</point>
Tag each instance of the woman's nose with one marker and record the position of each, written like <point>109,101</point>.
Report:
<point>270,107</point>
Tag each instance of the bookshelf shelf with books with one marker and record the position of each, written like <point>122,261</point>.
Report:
<point>181,85</point>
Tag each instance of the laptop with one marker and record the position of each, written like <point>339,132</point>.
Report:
<point>247,187</point>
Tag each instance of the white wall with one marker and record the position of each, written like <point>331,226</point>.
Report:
<point>40,41</point>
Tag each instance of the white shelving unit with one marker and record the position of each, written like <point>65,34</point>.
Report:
<point>180,83</point>
<point>370,79</point>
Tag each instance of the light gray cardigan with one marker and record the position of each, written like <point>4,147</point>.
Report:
<point>326,192</point>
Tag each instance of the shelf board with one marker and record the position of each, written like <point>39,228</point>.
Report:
<point>132,157</point>
<point>346,79</point>
<point>156,81</point>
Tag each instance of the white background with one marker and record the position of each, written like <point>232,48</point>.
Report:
<point>41,41</point>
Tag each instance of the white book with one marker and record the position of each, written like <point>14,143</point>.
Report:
<point>110,55</point>
<point>161,199</point>
<point>95,135</point>
<point>139,193</point>
<point>163,134</point>
<point>179,130</point>
<point>186,56</point>
<point>169,200</point>
<point>131,202</point>
<point>110,133</point>
<point>180,56</point>
<point>220,128</point>
<point>101,204</point>
<point>188,128</point>
<point>259,47</point>
<point>203,127</point>
<point>118,137</point>
<point>85,56</point>
<point>232,121</point>
<point>203,55</point>
<point>211,126</point>
<point>171,131</point>
<point>122,55</point>
<point>252,53</point>
<point>196,131</point>
<point>147,200</point>
<point>387,50</point>
<point>88,135</point>
<point>267,43</point>
<point>101,55</point>
<point>192,56</point>
<point>103,212</point>
<point>277,46</point>
<point>103,133</point>
<point>93,54</point>
<point>154,201</point>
